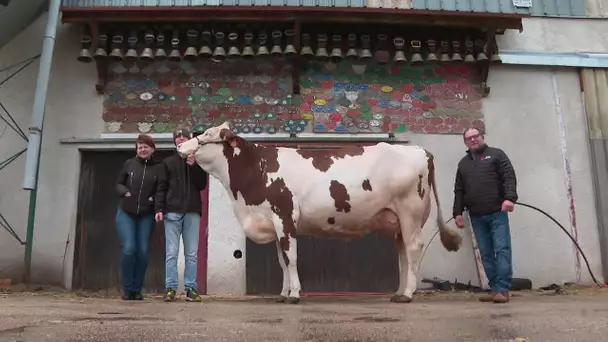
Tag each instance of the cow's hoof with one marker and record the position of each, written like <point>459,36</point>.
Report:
<point>400,299</point>
<point>281,299</point>
<point>292,300</point>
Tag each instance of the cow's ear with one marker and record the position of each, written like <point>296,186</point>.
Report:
<point>227,135</point>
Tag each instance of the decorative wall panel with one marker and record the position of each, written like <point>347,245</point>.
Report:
<point>257,96</point>
<point>374,98</point>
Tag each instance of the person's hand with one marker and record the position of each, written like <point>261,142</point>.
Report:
<point>508,206</point>
<point>128,194</point>
<point>159,217</point>
<point>190,160</point>
<point>459,221</point>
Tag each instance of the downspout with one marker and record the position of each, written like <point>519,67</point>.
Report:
<point>30,178</point>
<point>17,15</point>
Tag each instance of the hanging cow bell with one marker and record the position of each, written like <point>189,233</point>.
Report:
<point>191,53</point>
<point>262,48</point>
<point>306,50</point>
<point>352,53</point>
<point>100,52</point>
<point>205,50</point>
<point>431,57</point>
<point>445,52</point>
<point>160,53</point>
<point>85,55</point>
<point>116,54</point>
<point>276,50</point>
<point>131,54</point>
<point>147,54</point>
<point>382,55</point>
<point>219,53</point>
<point>416,56</point>
<point>336,51</point>
<point>321,47</point>
<point>248,50</point>
<point>399,57</point>
<point>481,54</point>
<point>175,55</point>
<point>290,49</point>
<point>456,57</point>
<point>366,52</point>
<point>233,50</point>
<point>469,46</point>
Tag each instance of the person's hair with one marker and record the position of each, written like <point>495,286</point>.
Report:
<point>470,128</point>
<point>145,139</point>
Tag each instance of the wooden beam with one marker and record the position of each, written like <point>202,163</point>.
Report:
<point>301,14</point>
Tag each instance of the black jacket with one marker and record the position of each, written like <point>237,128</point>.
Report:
<point>180,189</point>
<point>484,179</point>
<point>140,178</point>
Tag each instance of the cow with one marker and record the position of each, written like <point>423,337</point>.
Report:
<point>279,193</point>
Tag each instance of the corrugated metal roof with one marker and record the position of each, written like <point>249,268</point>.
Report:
<point>539,7</point>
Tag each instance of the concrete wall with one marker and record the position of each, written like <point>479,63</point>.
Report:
<point>520,115</point>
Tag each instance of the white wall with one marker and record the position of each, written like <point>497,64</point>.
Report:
<point>519,113</point>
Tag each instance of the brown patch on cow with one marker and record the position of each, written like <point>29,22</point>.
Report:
<point>322,160</point>
<point>420,189</point>
<point>248,174</point>
<point>331,220</point>
<point>367,186</point>
<point>341,197</point>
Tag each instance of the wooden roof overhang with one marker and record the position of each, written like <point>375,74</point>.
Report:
<point>454,25</point>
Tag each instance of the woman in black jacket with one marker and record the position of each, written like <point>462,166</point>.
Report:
<point>137,187</point>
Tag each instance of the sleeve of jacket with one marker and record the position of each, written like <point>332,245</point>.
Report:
<point>123,177</point>
<point>507,175</point>
<point>199,177</point>
<point>161,188</point>
<point>458,195</point>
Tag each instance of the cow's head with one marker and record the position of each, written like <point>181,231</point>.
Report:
<point>206,146</point>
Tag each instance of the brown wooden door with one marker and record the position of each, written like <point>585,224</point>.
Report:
<point>325,265</point>
<point>97,253</point>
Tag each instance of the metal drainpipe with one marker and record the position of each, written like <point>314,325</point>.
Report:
<point>30,178</point>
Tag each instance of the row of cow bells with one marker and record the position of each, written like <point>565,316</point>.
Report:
<point>218,47</point>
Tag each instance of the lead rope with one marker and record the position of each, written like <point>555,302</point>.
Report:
<point>552,219</point>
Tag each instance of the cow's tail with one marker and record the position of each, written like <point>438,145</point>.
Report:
<point>450,239</point>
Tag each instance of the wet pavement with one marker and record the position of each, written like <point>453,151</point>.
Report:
<point>576,316</point>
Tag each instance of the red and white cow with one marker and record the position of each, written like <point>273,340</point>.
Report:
<point>346,192</point>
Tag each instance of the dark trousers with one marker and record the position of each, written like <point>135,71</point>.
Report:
<point>494,242</point>
<point>135,232</point>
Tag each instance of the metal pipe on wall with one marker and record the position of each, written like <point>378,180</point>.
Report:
<point>30,178</point>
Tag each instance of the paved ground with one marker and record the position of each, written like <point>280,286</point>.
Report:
<point>48,316</point>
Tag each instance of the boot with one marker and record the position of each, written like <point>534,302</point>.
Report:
<point>501,297</point>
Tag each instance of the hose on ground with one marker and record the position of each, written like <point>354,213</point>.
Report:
<point>552,219</point>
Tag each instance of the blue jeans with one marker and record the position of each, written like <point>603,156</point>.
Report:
<point>188,226</point>
<point>494,241</point>
<point>135,232</point>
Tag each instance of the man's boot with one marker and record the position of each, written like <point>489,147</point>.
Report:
<point>501,297</point>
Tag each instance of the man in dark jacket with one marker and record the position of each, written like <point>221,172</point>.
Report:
<point>487,187</point>
<point>181,210</point>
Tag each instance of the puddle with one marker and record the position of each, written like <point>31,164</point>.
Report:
<point>16,330</point>
<point>265,320</point>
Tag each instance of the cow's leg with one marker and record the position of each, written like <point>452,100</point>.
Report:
<point>409,257</point>
<point>286,285</point>
<point>402,265</point>
<point>289,247</point>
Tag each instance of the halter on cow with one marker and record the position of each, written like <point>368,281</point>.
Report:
<point>347,192</point>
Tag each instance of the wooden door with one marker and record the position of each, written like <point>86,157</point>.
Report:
<point>97,253</point>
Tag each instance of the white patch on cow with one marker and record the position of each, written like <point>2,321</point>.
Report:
<point>394,203</point>
<point>237,151</point>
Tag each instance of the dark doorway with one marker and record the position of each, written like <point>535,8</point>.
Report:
<point>97,251</point>
<point>325,265</point>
